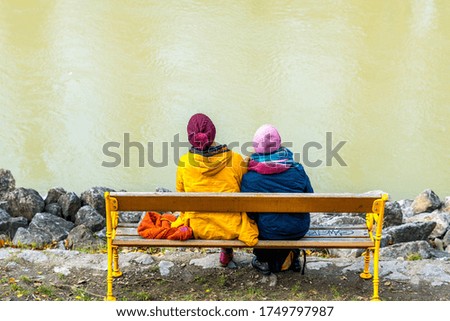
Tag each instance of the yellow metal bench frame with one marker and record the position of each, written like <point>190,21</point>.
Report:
<point>367,237</point>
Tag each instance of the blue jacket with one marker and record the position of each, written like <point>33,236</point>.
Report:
<point>277,226</point>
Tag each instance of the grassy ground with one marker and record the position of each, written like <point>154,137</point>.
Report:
<point>21,280</point>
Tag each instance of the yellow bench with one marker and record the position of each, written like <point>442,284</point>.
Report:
<point>343,237</point>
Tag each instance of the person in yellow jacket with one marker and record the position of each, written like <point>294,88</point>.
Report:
<point>211,167</point>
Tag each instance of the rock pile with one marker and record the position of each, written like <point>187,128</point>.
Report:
<point>418,226</point>
<point>62,218</point>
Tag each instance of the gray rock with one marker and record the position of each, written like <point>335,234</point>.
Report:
<point>89,217</point>
<point>410,232</point>
<point>11,266</point>
<point>344,220</point>
<point>61,270</point>
<point>436,274</point>
<point>15,223</point>
<point>54,208</point>
<point>207,262</point>
<point>427,201</point>
<point>101,234</point>
<point>330,219</point>
<point>3,205</point>
<point>24,202</point>
<point>33,256</point>
<point>29,237</point>
<point>9,225</point>
<point>7,182</point>
<point>130,217</point>
<point>5,253</point>
<point>70,204</point>
<point>4,222</point>
<point>376,193</point>
<point>95,198</point>
<point>57,227</point>
<point>442,220</point>
<point>163,190</point>
<point>446,205</point>
<point>272,279</point>
<point>78,260</point>
<point>61,245</point>
<point>446,239</point>
<point>81,237</point>
<point>164,267</point>
<point>393,214</point>
<point>54,194</point>
<point>346,252</point>
<point>423,248</point>
<point>318,265</point>
<point>144,259</point>
<point>320,218</point>
<point>439,244</point>
<point>386,240</point>
<point>396,270</point>
<point>407,210</point>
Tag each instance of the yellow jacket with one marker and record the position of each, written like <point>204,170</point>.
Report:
<point>221,172</point>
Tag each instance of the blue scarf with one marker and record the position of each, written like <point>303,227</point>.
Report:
<point>281,156</point>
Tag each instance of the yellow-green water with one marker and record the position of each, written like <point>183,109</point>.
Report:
<point>75,75</point>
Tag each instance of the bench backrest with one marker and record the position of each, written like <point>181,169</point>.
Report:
<point>243,202</point>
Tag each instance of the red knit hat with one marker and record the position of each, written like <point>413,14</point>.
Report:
<point>201,131</point>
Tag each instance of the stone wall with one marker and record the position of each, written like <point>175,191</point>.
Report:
<point>67,220</point>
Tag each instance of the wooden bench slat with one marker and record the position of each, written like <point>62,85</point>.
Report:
<point>314,233</point>
<point>245,202</point>
<point>313,227</point>
<point>131,241</point>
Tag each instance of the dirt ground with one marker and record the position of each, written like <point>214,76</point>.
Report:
<point>189,282</point>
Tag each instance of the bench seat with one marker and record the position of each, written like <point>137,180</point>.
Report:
<point>317,237</point>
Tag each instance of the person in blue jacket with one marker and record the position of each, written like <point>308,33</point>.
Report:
<point>272,169</point>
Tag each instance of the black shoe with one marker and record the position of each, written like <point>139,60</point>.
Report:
<point>296,266</point>
<point>262,267</point>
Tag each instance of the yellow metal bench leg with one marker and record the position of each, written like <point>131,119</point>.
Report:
<point>116,271</point>
<point>376,280</point>
<point>110,205</point>
<point>366,274</point>
<point>378,216</point>
<point>109,277</point>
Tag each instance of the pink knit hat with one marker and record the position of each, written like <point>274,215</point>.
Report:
<point>201,131</point>
<point>266,139</point>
